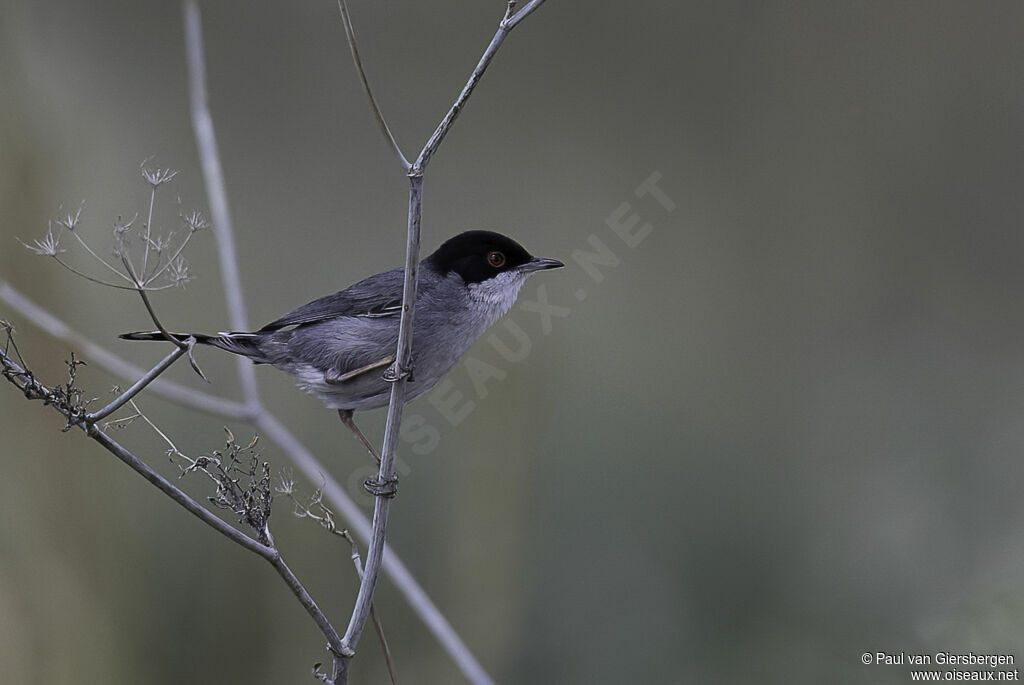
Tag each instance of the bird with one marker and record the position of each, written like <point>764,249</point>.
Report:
<point>340,346</point>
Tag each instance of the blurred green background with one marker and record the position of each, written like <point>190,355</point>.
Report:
<point>785,429</point>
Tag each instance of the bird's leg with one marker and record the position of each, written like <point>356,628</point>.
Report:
<point>346,418</point>
<point>373,486</point>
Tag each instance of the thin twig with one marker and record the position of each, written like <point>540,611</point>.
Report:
<point>33,389</point>
<point>403,580</point>
<point>185,396</point>
<point>99,259</point>
<point>87,277</point>
<point>36,390</point>
<point>170,260</point>
<point>149,230</point>
<point>358,563</point>
<point>402,365</point>
<point>350,33</point>
<point>325,517</point>
<point>526,11</point>
<point>156,322</point>
<point>173,449</point>
<point>216,191</point>
<point>508,22</point>
<point>137,387</point>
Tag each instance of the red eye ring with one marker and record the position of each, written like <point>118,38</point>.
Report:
<point>496,259</point>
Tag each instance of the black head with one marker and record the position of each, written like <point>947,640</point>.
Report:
<point>480,255</point>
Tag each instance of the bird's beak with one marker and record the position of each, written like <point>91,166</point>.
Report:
<point>540,263</point>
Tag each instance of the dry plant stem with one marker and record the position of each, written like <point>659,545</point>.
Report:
<point>269,426</point>
<point>402,366</point>
<point>33,389</point>
<point>216,192</point>
<point>350,33</point>
<point>509,22</point>
<point>526,11</point>
<point>101,260</point>
<point>358,563</point>
<point>136,387</point>
<point>401,577</point>
<point>149,231</point>
<point>180,394</point>
<point>213,175</point>
<point>156,320</point>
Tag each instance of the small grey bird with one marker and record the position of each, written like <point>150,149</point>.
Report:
<point>339,346</point>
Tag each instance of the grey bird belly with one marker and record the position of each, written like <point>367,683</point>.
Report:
<point>327,350</point>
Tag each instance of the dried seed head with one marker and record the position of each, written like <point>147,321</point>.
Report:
<point>195,221</point>
<point>178,273</point>
<point>155,176</point>
<point>69,220</point>
<point>49,246</point>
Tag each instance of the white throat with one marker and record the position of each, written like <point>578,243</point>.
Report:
<point>497,295</point>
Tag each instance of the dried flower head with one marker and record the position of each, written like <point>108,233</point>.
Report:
<point>69,220</point>
<point>286,485</point>
<point>195,221</point>
<point>156,176</point>
<point>178,273</point>
<point>121,227</point>
<point>49,246</point>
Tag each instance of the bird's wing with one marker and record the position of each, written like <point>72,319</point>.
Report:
<point>373,297</point>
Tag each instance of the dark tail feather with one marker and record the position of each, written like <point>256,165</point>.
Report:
<point>245,344</point>
<point>157,335</point>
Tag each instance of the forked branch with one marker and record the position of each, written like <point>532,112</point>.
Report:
<point>402,366</point>
<point>63,400</point>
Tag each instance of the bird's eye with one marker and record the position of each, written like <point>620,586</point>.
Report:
<point>496,259</point>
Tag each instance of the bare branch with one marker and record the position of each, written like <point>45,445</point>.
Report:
<point>147,236</point>
<point>24,380</point>
<point>99,259</point>
<point>87,277</point>
<point>373,614</point>
<point>400,372</point>
<point>33,389</point>
<point>513,21</point>
<point>317,511</point>
<point>137,387</point>
<point>402,366</point>
<point>350,34</point>
<point>509,22</point>
<point>156,321</point>
<point>175,392</point>
<point>213,175</point>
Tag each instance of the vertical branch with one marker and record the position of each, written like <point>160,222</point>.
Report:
<point>401,371</point>
<point>402,366</point>
<point>216,192</point>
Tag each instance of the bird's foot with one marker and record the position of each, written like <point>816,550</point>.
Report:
<point>395,372</point>
<point>381,488</point>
